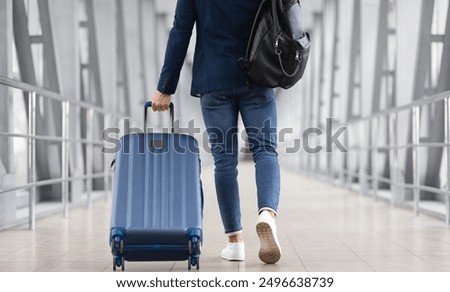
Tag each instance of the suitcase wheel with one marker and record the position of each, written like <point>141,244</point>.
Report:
<point>117,250</point>
<point>117,245</point>
<point>118,262</point>
<point>194,261</point>
<point>194,245</point>
<point>121,246</point>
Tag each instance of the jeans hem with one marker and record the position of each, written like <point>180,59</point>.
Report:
<point>267,209</point>
<point>233,233</point>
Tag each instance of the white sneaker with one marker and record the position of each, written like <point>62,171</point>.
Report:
<point>235,251</point>
<point>270,250</point>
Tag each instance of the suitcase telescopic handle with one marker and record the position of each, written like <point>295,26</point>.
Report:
<point>149,104</point>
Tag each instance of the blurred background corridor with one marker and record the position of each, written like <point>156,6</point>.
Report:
<point>69,69</point>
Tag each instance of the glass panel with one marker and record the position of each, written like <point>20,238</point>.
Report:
<point>440,16</point>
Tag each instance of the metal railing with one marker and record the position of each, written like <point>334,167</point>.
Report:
<point>65,139</point>
<point>373,149</point>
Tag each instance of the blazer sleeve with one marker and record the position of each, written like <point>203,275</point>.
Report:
<point>177,46</point>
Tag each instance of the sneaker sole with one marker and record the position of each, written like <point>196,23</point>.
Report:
<point>237,259</point>
<point>269,252</point>
<point>233,256</point>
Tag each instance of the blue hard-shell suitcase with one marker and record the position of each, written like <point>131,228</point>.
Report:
<point>158,199</point>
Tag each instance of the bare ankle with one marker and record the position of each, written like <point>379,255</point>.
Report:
<point>235,238</point>
<point>274,215</point>
<point>270,211</point>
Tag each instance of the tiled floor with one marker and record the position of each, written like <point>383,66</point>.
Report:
<point>321,228</point>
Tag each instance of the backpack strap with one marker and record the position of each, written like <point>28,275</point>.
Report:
<point>244,62</point>
<point>253,32</point>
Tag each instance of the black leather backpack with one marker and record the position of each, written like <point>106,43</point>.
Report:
<point>278,48</point>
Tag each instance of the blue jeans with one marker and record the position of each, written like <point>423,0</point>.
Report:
<point>258,111</point>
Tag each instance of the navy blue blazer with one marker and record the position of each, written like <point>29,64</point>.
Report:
<point>223,28</point>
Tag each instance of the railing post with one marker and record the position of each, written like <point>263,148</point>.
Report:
<point>447,141</point>
<point>362,170</point>
<point>32,159</point>
<point>374,155</point>
<point>65,157</point>
<point>349,178</point>
<point>393,156</point>
<point>107,123</point>
<point>343,163</point>
<point>329,155</point>
<point>89,155</point>
<point>415,156</point>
